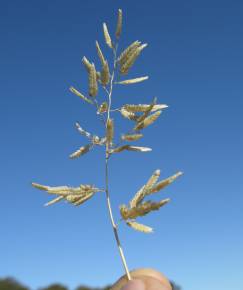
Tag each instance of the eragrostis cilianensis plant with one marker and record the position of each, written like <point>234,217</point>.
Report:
<point>140,115</point>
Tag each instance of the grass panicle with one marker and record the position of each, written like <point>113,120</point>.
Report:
<point>142,115</point>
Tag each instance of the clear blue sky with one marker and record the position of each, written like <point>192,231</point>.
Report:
<point>194,60</point>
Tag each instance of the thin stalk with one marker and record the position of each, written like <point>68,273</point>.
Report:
<point>107,155</point>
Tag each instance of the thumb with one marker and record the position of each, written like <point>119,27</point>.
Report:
<point>143,279</point>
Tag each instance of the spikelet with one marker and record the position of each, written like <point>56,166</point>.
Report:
<point>147,121</point>
<point>133,81</point>
<point>105,74</point>
<point>107,36</point>
<point>55,200</point>
<point>109,131</point>
<point>93,86</point>
<point>86,64</point>
<point>72,198</point>
<point>151,182</point>
<point>82,131</point>
<point>84,198</point>
<point>162,184</point>
<point>59,190</point>
<point>96,140</point>
<point>147,112</point>
<point>100,54</point>
<point>104,77</point>
<point>77,93</point>
<point>139,196</point>
<point>39,186</point>
<point>119,149</point>
<point>134,201</point>
<point>130,61</point>
<point>130,148</point>
<point>119,24</point>
<point>139,149</point>
<point>103,108</point>
<point>139,227</point>
<point>128,115</point>
<point>81,151</point>
<point>143,108</point>
<point>124,211</point>
<point>131,137</point>
<point>141,209</point>
<point>124,56</point>
<point>75,195</point>
<point>63,190</point>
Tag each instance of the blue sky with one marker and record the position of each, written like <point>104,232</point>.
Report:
<point>194,60</point>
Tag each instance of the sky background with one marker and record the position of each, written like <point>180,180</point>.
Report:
<point>194,61</point>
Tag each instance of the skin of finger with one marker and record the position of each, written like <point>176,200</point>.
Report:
<point>152,273</point>
<point>151,278</point>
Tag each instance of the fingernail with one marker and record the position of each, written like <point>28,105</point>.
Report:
<point>134,285</point>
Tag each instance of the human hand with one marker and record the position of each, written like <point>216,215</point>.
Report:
<point>143,279</point>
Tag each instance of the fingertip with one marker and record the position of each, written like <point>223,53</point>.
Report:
<point>134,285</point>
<point>152,273</point>
<point>143,279</point>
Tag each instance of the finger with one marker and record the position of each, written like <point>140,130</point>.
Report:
<point>143,279</point>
